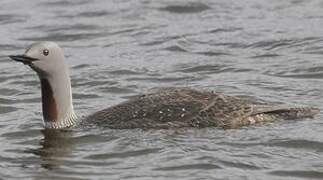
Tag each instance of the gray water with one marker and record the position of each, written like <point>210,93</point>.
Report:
<point>268,50</point>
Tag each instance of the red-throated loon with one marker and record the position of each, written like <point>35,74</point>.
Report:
<point>165,108</point>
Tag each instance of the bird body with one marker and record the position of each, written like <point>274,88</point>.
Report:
<point>185,107</point>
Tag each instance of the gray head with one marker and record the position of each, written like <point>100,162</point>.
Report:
<point>47,60</point>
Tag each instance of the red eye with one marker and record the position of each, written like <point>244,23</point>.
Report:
<point>45,52</point>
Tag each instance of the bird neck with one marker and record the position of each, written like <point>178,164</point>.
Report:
<point>57,103</point>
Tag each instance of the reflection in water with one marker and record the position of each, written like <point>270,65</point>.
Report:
<point>56,145</point>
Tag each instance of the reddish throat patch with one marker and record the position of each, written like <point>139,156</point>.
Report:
<point>49,104</point>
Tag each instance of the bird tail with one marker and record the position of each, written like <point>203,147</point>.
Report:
<point>273,115</point>
<point>294,113</point>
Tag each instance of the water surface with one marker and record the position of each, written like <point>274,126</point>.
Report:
<point>267,50</point>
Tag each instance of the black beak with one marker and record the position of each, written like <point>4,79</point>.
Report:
<point>23,58</point>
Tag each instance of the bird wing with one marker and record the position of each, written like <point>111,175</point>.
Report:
<point>166,107</point>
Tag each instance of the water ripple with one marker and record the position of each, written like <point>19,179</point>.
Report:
<point>209,69</point>
<point>123,155</point>
<point>93,14</point>
<point>11,18</point>
<point>299,73</point>
<point>298,174</point>
<point>7,109</point>
<point>64,37</point>
<point>298,144</point>
<point>189,167</point>
<point>176,48</point>
<point>239,165</point>
<point>64,3</point>
<point>186,8</point>
<point>61,28</point>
